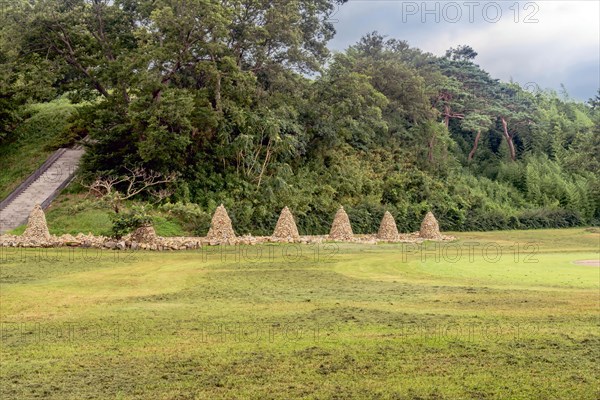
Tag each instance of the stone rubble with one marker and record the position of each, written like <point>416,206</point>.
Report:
<point>37,229</point>
<point>430,228</point>
<point>221,233</point>
<point>144,234</point>
<point>286,228</point>
<point>341,228</point>
<point>221,229</point>
<point>388,229</point>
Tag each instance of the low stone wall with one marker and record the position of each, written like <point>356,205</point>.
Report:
<point>221,233</point>
<point>188,243</point>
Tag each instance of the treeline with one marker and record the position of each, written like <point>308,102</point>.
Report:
<point>243,100</point>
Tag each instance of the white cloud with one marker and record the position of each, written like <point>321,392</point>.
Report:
<point>565,38</point>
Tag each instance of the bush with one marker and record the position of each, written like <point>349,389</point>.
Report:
<point>128,221</point>
<point>489,220</point>
<point>549,218</point>
<point>366,217</point>
<point>46,120</point>
<point>192,216</point>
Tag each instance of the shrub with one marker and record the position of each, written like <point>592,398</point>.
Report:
<point>46,120</point>
<point>128,221</point>
<point>192,216</point>
<point>549,218</point>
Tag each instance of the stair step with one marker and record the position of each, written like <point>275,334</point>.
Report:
<point>17,211</point>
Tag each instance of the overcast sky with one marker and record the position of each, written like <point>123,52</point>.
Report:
<point>543,43</point>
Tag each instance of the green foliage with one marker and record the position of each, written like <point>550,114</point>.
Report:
<point>192,216</point>
<point>167,227</point>
<point>218,93</point>
<point>165,129</point>
<point>32,141</point>
<point>129,220</point>
<point>45,120</point>
<point>545,218</point>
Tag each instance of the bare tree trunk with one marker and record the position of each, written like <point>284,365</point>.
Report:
<point>218,92</point>
<point>474,149</point>
<point>447,116</point>
<point>511,146</point>
<point>264,166</point>
<point>431,147</point>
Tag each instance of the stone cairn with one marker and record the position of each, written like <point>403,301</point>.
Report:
<point>220,226</point>
<point>37,229</point>
<point>388,229</point>
<point>221,232</point>
<point>286,226</point>
<point>341,228</point>
<point>144,234</point>
<point>430,228</point>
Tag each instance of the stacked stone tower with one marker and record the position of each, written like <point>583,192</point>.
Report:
<point>341,228</point>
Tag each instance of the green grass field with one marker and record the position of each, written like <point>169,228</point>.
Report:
<point>509,317</point>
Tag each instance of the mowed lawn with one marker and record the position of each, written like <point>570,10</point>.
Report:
<point>498,315</point>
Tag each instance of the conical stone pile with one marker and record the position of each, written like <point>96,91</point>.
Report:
<point>220,226</point>
<point>388,229</point>
<point>144,234</point>
<point>37,229</point>
<point>430,228</point>
<point>286,226</point>
<point>341,228</point>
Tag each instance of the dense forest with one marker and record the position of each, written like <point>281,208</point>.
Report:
<point>245,104</point>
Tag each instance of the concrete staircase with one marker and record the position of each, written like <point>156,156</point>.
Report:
<point>39,188</point>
